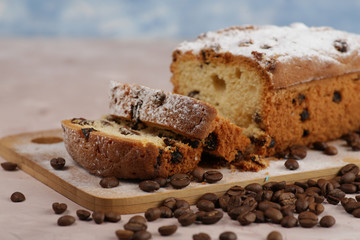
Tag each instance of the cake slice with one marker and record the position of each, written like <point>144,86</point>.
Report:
<point>185,116</point>
<point>116,147</point>
<point>284,85</point>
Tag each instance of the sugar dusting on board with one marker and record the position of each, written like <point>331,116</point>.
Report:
<point>81,179</point>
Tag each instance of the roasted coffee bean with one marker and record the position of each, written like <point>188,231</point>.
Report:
<point>210,197</point>
<point>124,234</point>
<point>138,219</point>
<point>201,236</point>
<point>327,221</point>
<point>179,181</point>
<point>330,150</point>
<point>236,212</point>
<point>58,163</point>
<point>246,218</point>
<point>291,164</point>
<point>17,197</point>
<point>355,146</point>
<point>348,177</point>
<point>149,186</point>
<point>199,215</point>
<point>269,186</point>
<point>298,152</point>
<point>335,183</point>
<point>198,174</point>
<point>346,200</point>
<point>311,183</point>
<point>141,235</point>
<point>66,220</point>
<point>166,212</point>
<point>349,168</point>
<point>274,235</point>
<point>212,217</point>
<point>301,205</point>
<point>109,182</point>
<point>59,208</point>
<point>348,188</point>
<point>287,198</point>
<point>320,146</point>
<point>83,214</point>
<point>152,214</point>
<point>313,189</point>
<point>350,206</point>
<point>180,211</point>
<point>326,188</point>
<point>288,210</point>
<point>254,187</point>
<point>357,197</point>
<point>187,219</point>
<point>98,217</point>
<point>276,195</point>
<point>161,181</point>
<point>234,202</point>
<point>205,205</point>
<point>9,166</point>
<point>170,203</point>
<point>316,208</point>
<point>228,236</point>
<point>235,191</point>
<point>223,202</point>
<point>167,230</point>
<point>320,182</point>
<point>260,216</point>
<point>307,219</point>
<point>112,217</point>
<point>294,189</point>
<point>356,213</point>
<point>268,204</point>
<point>213,176</point>
<point>289,222</point>
<point>278,186</point>
<point>274,215</point>
<point>303,185</point>
<point>264,195</point>
<point>335,195</point>
<point>135,226</point>
<point>181,203</point>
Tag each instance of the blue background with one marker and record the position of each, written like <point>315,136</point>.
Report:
<point>135,19</point>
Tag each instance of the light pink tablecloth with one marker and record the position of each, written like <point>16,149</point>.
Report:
<point>44,81</point>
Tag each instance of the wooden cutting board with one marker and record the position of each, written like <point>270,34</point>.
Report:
<point>33,152</point>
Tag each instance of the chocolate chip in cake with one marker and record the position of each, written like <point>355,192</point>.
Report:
<point>257,118</point>
<point>169,142</point>
<point>176,156</point>
<point>58,163</point>
<point>192,143</point>
<point>194,94</point>
<point>211,142</point>
<point>257,55</point>
<point>300,99</point>
<point>9,166</point>
<point>159,98</point>
<point>337,97</point>
<point>87,131</point>
<point>135,111</point>
<point>304,115</point>
<point>270,65</point>
<point>109,182</point>
<point>306,133</point>
<point>127,131</point>
<point>341,45</point>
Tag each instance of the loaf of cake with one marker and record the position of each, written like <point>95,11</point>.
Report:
<point>116,147</point>
<point>185,116</point>
<point>285,86</point>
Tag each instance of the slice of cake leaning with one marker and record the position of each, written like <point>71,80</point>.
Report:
<point>284,85</point>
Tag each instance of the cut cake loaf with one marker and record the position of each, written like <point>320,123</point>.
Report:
<point>185,116</point>
<point>284,85</point>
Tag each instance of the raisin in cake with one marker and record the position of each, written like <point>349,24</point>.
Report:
<point>283,85</point>
<point>117,147</point>
<point>185,116</point>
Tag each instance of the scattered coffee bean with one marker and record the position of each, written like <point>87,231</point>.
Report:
<point>349,168</point>
<point>351,205</point>
<point>135,226</point>
<point>66,220</point>
<point>320,146</point>
<point>228,236</point>
<point>181,203</point>
<point>246,218</point>
<point>152,214</point>
<point>348,188</point>
<point>161,181</point>
<point>112,217</point>
<point>205,205</point>
<point>327,221</point>
<point>291,164</point>
<point>274,235</point>
<point>198,174</point>
<point>98,217</point>
<point>316,208</point>
<point>348,177</point>
<point>137,219</point>
<point>9,166</point>
<point>356,213</point>
<point>289,222</point>
<point>307,219</point>
<point>274,215</point>
<point>17,197</point>
<point>298,152</point>
<point>58,163</point>
<point>330,150</point>
<point>187,219</point>
<point>201,236</point>
<point>260,216</point>
<point>179,181</point>
<point>149,186</point>
<point>141,235</point>
<point>109,182</point>
<point>301,205</point>
<point>170,203</point>
<point>357,197</point>
<point>212,217</point>
<point>166,212</point>
<point>180,211</point>
<point>59,208</point>
<point>167,230</point>
<point>254,187</point>
<point>83,214</point>
<point>213,176</point>
<point>124,234</point>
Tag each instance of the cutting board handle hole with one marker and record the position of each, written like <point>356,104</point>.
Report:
<point>47,140</point>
